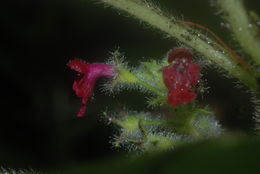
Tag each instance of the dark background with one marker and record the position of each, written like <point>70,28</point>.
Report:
<point>38,124</point>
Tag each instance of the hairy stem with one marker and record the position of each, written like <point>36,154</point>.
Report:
<point>244,33</point>
<point>129,77</point>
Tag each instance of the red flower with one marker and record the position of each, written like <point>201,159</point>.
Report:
<point>180,77</point>
<point>90,73</point>
<point>181,95</point>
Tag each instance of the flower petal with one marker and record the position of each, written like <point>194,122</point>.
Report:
<point>82,111</point>
<point>78,65</point>
<point>181,95</point>
<point>178,54</point>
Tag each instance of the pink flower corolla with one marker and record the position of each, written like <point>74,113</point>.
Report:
<point>181,76</point>
<point>89,74</point>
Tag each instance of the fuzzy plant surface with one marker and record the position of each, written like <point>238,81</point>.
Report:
<point>12,171</point>
<point>173,116</point>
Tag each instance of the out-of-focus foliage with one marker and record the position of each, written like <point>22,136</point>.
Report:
<point>230,154</point>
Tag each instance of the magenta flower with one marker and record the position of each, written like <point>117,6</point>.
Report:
<point>180,77</point>
<point>89,74</point>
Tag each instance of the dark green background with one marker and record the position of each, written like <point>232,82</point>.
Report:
<point>39,128</point>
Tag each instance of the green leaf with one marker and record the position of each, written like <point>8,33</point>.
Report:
<point>231,154</point>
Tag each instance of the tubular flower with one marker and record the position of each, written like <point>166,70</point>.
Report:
<point>180,77</point>
<point>89,74</point>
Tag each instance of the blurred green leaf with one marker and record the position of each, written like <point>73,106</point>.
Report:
<point>231,154</point>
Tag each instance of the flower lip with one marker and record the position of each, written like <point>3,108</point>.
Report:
<point>181,95</point>
<point>179,53</point>
<point>78,65</point>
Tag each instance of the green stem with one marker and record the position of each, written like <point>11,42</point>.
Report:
<point>155,18</point>
<point>244,33</point>
<point>158,100</point>
<point>126,76</point>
